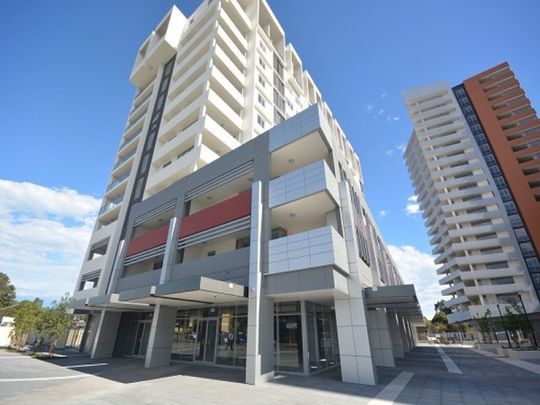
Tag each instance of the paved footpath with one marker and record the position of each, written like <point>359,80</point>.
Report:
<point>483,379</point>
<point>425,376</point>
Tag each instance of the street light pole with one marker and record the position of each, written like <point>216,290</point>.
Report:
<point>528,321</point>
<point>507,335</point>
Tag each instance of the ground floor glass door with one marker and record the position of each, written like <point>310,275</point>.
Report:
<point>205,349</point>
<point>140,331</point>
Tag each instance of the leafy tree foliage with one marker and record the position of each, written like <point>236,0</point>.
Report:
<point>7,292</point>
<point>26,317</point>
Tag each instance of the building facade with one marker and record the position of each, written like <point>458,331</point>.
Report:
<point>474,159</point>
<point>234,229</point>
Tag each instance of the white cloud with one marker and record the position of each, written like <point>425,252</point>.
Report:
<point>381,111</point>
<point>383,213</point>
<point>44,233</point>
<point>401,147</point>
<point>383,95</point>
<point>412,207</point>
<point>418,268</point>
<point>392,118</point>
<point>389,152</point>
<point>369,107</point>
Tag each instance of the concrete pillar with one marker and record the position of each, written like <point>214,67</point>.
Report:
<point>260,332</point>
<point>395,336</point>
<point>379,337</point>
<point>351,319</point>
<point>118,266</point>
<point>158,352</point>
<point>170,251</point>
<point>403,333</point>
<point>106,335</point>
<point>410,335</point>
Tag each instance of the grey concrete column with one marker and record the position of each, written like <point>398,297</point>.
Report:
<point>403,332</point>
<point>260,351</point>
<point>395,336</point>
<point>354,347</point>
<point>105,339</point>
<point>158,352</point>
<point>118,265</point>
<point>170,251</point>
<point>305,342</point>
<point>379,337</point>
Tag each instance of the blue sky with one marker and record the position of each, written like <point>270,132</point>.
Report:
<point>64,80</point>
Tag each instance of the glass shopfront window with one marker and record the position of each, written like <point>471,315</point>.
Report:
<point>322,336</point>
<point>215,335</point>
<point>288,354</point>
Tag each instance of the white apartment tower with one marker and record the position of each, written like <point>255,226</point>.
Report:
<point>234,229</point>
<point>479,217</point>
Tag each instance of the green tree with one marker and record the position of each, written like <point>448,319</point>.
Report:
<point>26,316</point>
<point>484,323</point>
<point>513,320</point>
<point>440,307</point>
<point>55,321</point>
<point>7,292</point>
<point>440,322</point>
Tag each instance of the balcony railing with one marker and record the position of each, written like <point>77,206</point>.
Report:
<point>135,120</point>
<point>124,159</point>
<point>111,205</point>
<point>128,140</point>
<point>296,252</point>
<point>118,180</point>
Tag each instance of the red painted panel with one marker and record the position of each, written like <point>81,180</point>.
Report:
<point>226,211</point>
<point>152,239</point>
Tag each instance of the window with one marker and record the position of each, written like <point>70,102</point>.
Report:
<point>260,121</point>
<point>527,249</point>
<point>505,194</point>
<point>158,265</point>
<point>261,99</point>
<point>510,207</point>
<point>502,280</point>
<point>262,81</point>
<point>496,265</point>
<point>521,235</point>
<point>490,159</point>
<point>261,62</point>
<point>242,242</point>
<point>262,46</point>
<point>533,264</point>
<point>166,164</point>
<point>499,182</point>
<point>515,220</point>
<point>278,233</point>
<point>211,253</point>
<point>490,251</point>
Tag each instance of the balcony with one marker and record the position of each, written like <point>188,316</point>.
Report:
<point>495,289</point>
<point>118,180</point>
<point>111,205</point>
<point>308,180</point>
<point>124,159</point>
<point>158,48</point>
<point>164,177</point>
<point>223,212</point>
<point>135,120</point>
<point>129,139</point>
<point>459,316</point>
<point>462,299</point>
<point>152,239</point>
<point>453,289</point>
<point>315,248</point>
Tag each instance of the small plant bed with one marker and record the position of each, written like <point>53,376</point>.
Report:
<point>47,356</point>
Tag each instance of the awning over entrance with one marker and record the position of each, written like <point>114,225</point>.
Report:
<point>109,302</point>
<point>399,299</point>
<point>189,292</point>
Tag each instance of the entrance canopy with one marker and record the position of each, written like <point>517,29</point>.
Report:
<point>188,292</point>
<point>399,299</point>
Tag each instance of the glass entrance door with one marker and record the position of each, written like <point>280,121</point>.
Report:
<point>139,343</point>
<point>205,350</point>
